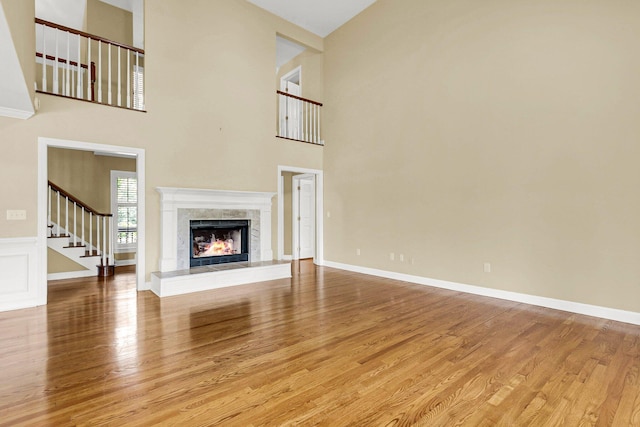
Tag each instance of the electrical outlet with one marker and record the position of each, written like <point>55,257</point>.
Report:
<point>487,267</point>
<point>401,257</point>
<point>392,256</point>
<point>16,215</point>
<point>358,251</point>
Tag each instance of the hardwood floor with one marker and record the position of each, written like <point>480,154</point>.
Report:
<point>326,348</point>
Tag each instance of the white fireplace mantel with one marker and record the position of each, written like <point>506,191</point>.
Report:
<point>172,199</point>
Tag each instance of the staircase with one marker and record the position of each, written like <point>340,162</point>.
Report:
<point>79,233</point>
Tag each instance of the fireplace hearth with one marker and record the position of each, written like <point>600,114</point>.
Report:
<point>219,241</point>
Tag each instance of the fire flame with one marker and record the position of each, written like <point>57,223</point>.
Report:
<point>219,247</point>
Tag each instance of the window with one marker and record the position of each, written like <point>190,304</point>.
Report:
<point>138,87</point>
<point>124,196</point>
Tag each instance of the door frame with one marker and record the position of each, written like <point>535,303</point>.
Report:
<point>295,210</point>
<point>319,179</point>
<point>43,176</point>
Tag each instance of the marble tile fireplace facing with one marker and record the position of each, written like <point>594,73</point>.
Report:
<point>181,205</point>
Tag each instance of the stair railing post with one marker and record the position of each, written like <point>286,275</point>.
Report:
<point>104,241</point>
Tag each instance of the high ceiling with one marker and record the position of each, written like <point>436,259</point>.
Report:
<point>321,17</point>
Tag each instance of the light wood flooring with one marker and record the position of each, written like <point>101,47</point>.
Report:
<point>326,348</point>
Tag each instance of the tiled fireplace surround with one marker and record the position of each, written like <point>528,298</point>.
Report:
<point>179,206</point>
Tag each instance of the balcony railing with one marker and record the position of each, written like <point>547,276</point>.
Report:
<point>299,119</point>
<point>79,65</point>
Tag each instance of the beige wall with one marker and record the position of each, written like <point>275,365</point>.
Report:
<point>109,22</point>
<point>465,132</point>
<point>86,175</point>
<point>24,39</point>
<point>312,75</point>
<point>209,96</point>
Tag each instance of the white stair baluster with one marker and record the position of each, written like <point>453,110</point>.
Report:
<point>318,125</point>
<point>99,71</point>
<point>44,59</point>
<point>82,240</point>
<point>66,215</point>
<point>89,69</point>
<point>98,235</point>
<point>58,217</point>
<point>49,211</point>
<point>128,79</point>
<point>109,77</point>
<point>79,72</point>
<point>90,233</point>
<point>111,234</point>
<point>119,85</point>
<point>56,87</point>
<point>67,69</point>
<point>75,221</point>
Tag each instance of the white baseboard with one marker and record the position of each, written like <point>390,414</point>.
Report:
<point>123,262</point>
<point>287,257</point>
<point>72,274</point>
<point>570,306</point>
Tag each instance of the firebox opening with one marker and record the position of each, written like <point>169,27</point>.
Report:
<point>219,241</point>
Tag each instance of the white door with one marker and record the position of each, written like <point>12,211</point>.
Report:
<point>304,236</point>
<point>291,108</point>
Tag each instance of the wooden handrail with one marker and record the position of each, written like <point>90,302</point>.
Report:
<point>83,34</point>
<point>64,61</point>
<point>299,97</point>
<point>78,201</point>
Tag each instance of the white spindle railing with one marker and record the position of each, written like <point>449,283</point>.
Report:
<point>70,60</point>
<point>299,119</point>
<point>80,218</point>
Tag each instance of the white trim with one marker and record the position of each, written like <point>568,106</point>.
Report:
<point>19,274</point>
<point>318,259</point>
<point>43,144</point>
<point>179,283</point>
<point>570,306</point>
<point>71,275</point>
<point>287,78</point>
<point>287,257</point>
<point>15,113</point>
<point>125,247</point>
<point>123,262</point>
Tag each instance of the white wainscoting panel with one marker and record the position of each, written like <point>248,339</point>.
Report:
<point>18,273</point>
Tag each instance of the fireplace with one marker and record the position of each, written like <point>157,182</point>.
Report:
<point>219,241</point>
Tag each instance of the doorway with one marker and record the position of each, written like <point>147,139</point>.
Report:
<point>310,199</point>
<point>110,150</point>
